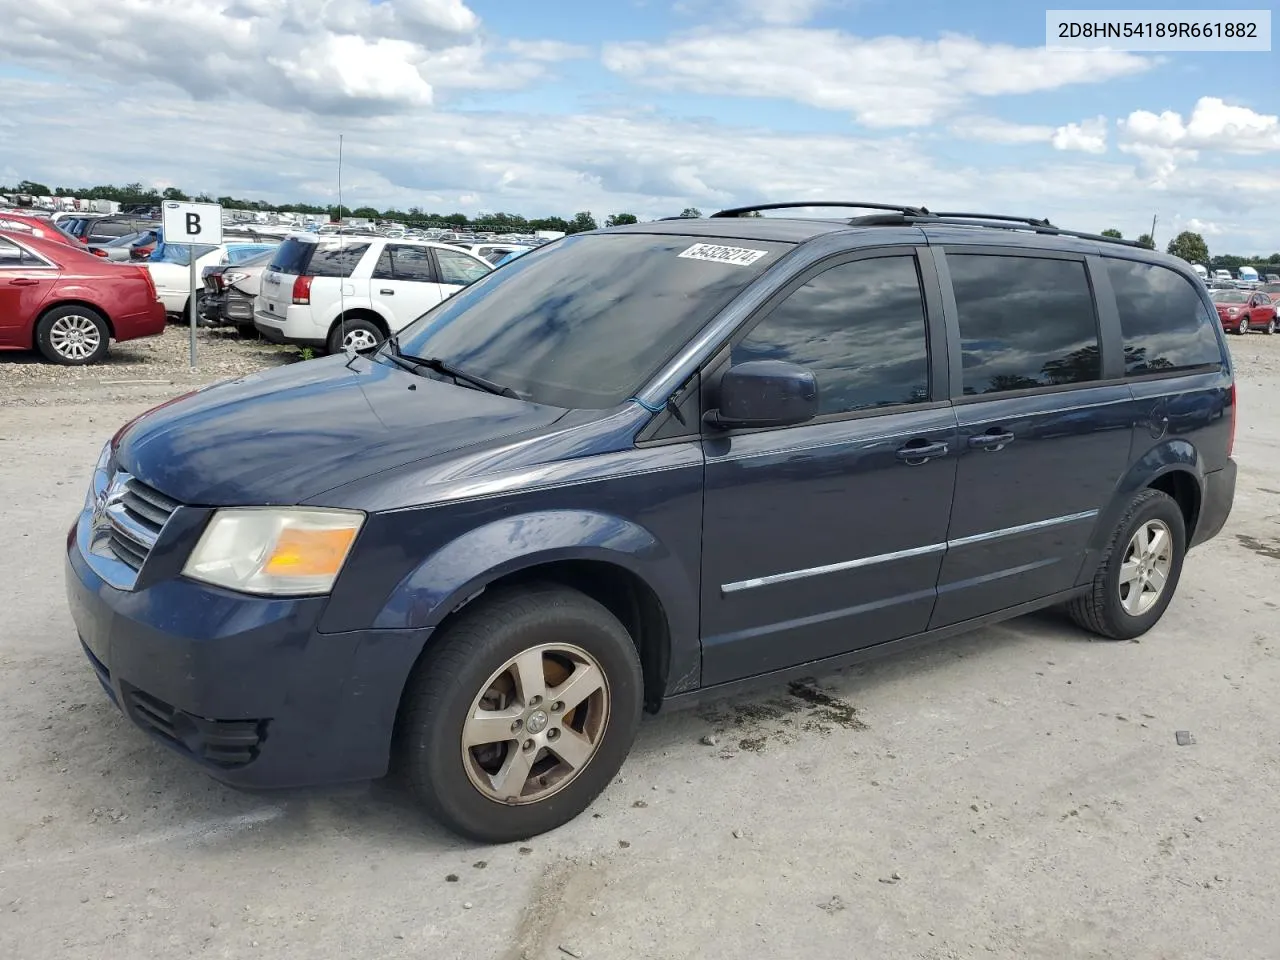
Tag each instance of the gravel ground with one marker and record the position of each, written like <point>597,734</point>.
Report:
<point>151,366</point>
<point>1015,793</point>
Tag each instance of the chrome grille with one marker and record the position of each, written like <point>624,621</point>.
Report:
<point>128,518</point>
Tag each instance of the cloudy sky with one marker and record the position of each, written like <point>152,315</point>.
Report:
<point>644,106</point>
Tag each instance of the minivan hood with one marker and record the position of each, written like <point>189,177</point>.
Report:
<point>284,436</point>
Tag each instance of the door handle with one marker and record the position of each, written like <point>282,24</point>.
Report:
<point>387,293</point>
<point>921,453</point>
<point>991,441</point>
<point>23,282</point>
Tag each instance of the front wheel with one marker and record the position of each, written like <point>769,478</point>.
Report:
<point>520,713</point>
<point>1139,571</point>
<point>1243,326</point>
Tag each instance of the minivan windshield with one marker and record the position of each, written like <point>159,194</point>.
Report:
<point>582,323</point>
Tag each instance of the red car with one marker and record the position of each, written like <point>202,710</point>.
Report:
<point>67,303</point>
<point>35,226</point>
<point>1241,311</point>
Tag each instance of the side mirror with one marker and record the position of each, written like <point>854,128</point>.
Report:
<point>765,393</point>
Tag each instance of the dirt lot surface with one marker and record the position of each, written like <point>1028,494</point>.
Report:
<point>136,370</point>
<point>1016,793</point>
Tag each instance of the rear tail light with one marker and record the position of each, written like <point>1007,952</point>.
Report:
<point>302,290</point>
<point>151,283</point>
<point>1231,438</point>
<point>98,252</point>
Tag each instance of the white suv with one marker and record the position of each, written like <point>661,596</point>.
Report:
<point>332,293</point>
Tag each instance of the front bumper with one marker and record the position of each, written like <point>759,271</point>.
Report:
<point>246,687</point>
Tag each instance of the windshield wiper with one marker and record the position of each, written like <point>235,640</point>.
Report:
<point>446,368</point>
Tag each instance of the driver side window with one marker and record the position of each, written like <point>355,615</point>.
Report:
<point>860,327</point>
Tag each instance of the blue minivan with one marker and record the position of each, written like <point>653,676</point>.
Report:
<point>643,465</point>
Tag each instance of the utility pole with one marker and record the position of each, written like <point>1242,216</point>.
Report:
<point>1153,231</point>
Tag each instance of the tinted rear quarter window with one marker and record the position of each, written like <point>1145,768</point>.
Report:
<point>1165,323</point>
<point>336,261</point>
<point>859,327</point>
<point>1025,322</point>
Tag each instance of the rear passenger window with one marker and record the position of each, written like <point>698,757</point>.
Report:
<point>1166,325</point>
<point>336,261</point>
<point>859,327</point>
<point>1024,322</point>
<point>412,263</point>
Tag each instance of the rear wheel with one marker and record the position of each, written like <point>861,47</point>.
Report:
<point>1139,573</point>
<point>520,714</point>
<point>356,334</point>
<point>73,336</point>
<point>1270,328</point>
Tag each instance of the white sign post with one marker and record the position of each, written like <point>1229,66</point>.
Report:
<point>193,224</point>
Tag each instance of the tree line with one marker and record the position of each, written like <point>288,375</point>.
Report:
<point>1188,245</point>
<point>1191,247</point>
<point>134,194</point>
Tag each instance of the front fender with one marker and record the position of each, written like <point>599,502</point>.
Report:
<point>466,565</point>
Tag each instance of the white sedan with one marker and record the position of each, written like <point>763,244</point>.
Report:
<point>170,266</point>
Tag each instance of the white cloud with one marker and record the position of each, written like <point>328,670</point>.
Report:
<point>542,164</point>
<point>883,82</point>
<point>327,56</point>
<point>1164,142</point>
<point>773,12</point>
<point>1213,124</point>
<point>995,130</point>
<point>1088,136</point>
<point>547,51</point>
<point>1205,228</point>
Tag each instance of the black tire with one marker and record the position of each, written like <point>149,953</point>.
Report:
<point>453,672</point>
<point>60,316</point>
<point>1243,326</point>
<point>353,326</point>
<point>1100,610</point>
<point>1270,328</point>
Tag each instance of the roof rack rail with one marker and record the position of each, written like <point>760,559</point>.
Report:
<point>1000,222</point>
<point>756,208</point>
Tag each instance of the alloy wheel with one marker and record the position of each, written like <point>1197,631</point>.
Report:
<point>359,340</point>
<point>75,337</point>
<point>536,724</point>
<point>1148,561</point>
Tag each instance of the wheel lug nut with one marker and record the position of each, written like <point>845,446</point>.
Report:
<point>528,745</point>
<point>535,701</point>
<point>557,707</point>
<point>516,725</point>
<point>553,734</point>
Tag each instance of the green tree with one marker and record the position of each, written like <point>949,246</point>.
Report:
<point>1146,241</point>
<point>620,219</point>
<point>691,212</point>
<point>203,198</point>
<point>583,220</point>
<point>1190,247</point>
<point>1113,233</point>
<point>173,193</point>
<point>368,213</point>
<point>33,188</point>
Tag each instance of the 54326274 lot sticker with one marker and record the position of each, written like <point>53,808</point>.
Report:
<point>739,256</point>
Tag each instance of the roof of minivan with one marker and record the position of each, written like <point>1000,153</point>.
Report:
<point>798,230</point>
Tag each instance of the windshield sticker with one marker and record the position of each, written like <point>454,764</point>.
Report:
<point>739,256</point>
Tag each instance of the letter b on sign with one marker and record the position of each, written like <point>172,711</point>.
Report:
<point>193,224</point>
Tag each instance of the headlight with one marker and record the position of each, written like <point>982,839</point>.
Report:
<point>1232,311</point>
<point>274,551</point>
<point>98,482</point>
